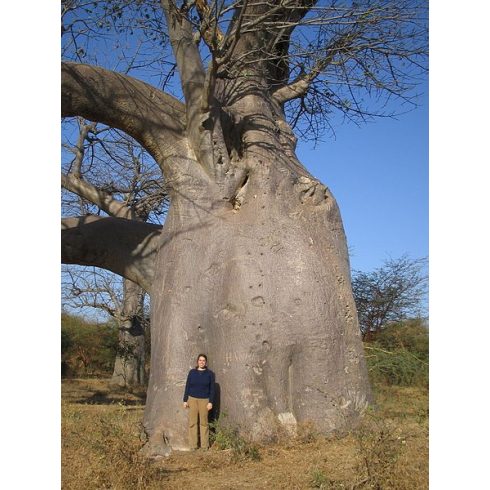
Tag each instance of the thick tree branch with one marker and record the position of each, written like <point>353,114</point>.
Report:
<point>103,200</point>
<point>189,64</point>
<point>153,118</point>
<point>268,45</point>
<point>125,247</point>
<point>293,91</point>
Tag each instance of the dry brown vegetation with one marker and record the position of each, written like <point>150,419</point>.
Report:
<point>102,436</point>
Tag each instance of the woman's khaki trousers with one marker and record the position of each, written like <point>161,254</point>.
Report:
<point>198,414</point>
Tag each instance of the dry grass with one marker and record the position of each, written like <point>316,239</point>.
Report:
<point>101,440</point>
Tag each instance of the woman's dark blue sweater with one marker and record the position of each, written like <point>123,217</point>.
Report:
<point>200,384</point>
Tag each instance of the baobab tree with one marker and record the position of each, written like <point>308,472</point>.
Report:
<point>91,288</point>
<point>251,264</point>
<point>103,172</point>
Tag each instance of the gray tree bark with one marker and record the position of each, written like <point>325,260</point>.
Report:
<point>129,366</point>
<point>265,292</point>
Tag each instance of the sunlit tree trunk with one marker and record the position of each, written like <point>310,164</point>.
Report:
<point>265,291</point>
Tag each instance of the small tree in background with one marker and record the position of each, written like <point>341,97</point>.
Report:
<point>85,288</point>
<point>391,293</point>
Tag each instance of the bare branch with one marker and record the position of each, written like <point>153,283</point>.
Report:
<point>330,58</point>
<point>140,194</point>
<point>100,198</point>
<point>233,36</point>
<point>94,288</point>
<point>85,129</point>
<point>301,85</point>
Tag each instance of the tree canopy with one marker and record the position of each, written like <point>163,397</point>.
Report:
<point>320,59</point>
<point>394,292</point>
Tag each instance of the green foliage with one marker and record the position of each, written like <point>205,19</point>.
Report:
<point>66,341</point>
<point>394,292</point>
<point>319,480</point>
<point>225,437</point>
<point>87,349</point>
<point>410,335</point>
<point>399,354</point>
<point>397,368</point>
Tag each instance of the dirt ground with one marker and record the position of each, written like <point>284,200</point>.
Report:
<point>102,436</point>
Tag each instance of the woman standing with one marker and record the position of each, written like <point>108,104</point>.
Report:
<point>198,398</point>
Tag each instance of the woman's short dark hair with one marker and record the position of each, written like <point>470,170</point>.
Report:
<point>201,355</point>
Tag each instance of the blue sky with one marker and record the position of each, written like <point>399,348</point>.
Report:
<point>379,174</point>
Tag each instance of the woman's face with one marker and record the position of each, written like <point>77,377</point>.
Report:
<point>201,362</point>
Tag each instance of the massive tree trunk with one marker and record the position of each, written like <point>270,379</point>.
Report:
<point>264,291</point>
<point>252,268</point>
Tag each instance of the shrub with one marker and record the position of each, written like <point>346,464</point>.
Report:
<point>320,480</point>
<point>391,293</point>
<point>399,355</point>
<point>87,348</point>
<point>410,335</point>
<point>379,447</point>
<point>398,367</point>
<point>225,437</point>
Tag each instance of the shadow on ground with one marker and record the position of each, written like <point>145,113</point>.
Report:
<point>100,398</point>
<point>100,392</point>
